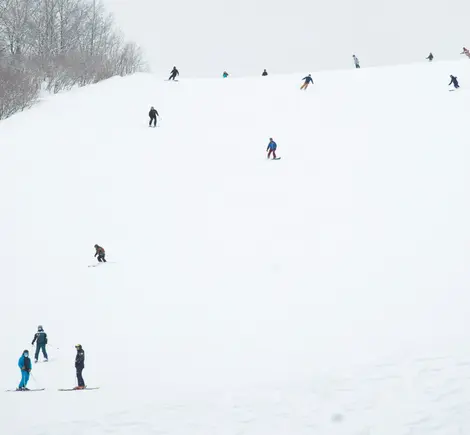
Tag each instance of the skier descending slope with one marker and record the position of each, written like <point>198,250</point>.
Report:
<point>79,366</point>
<point>174,72</point>
<point>430,57</point>
<point>153,116</point>
<point>307,80</point>
<point>454,81</point>
<point>265,73</point>
<point>225,74</point>
<point>356,61</point>
<point>272,146</point>
<point>41,340</point>
<point>100,253</point>
<point>24,363</point>
<point>466,52</point>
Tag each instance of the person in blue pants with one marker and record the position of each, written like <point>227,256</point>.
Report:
<point>40,338</point>
<point>24,363</point>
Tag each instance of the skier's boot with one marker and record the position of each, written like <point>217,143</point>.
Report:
<point>35,361</point>
<point>45,360</point>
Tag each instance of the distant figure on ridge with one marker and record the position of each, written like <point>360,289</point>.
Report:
<point>174,72</point>
<point>356,61</point>
<point>40,338</point>
<point>307,80</point>
<point>225,74</point>
<point>454,81</point>
<point>430,57</point>
<point>466,52</point>
<point>24,363</point>
<point>272,146</point>
<point>100,253</point>
<point>265,73</point>
<point>79,366</point>
<point>153,116</point>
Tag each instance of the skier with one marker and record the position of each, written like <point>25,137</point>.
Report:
<point>24,364</point>
<point>307,81</point>
<point>466,52</point>
<point>265,73</point>
<point>41,340</point>
<point>174,73</point>
<point>430,57</point>
<point>225,74</point>
<point>356,61</point>
<point>100,253</point>
<point>453,80</point>
<point>272,146</point>
<point>153,118</point>
<point>79,366</point>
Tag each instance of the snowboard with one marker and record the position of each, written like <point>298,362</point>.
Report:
<point>277,158</point>
<point>73,389</point>
<point>24,391</point>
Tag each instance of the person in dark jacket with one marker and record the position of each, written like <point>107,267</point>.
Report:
<point>454,81</point>
<point>100,253</point>
<point>356,61</point>
<point>153,116</point>
<point>79,366</point>
<point>307,80</point>
<point>265,73</point>
<point>430,57</point>
<point>24,363</point>
<point>40,338</point>
<point>272,146</point>
<point>174,72</point>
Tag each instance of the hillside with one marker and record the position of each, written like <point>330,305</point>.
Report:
<point>326,291</point>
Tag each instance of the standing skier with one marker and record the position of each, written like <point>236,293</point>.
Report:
<point>24,363</point>
<point>153,118</point>
<point>41,340</point>
<point>225,74</point>
<point>307,80</point>
<point>430,57</point>
<point>174,73</point>
<point>265,73</point>
<point>454,81</point>
<point>272,146</point>
<point>356,61</point>
<point>100,253</point>
<point>79,366</point>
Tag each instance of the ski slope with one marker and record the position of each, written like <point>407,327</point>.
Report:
<point>324,293</point>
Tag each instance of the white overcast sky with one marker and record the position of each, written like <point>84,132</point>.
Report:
<point>206,37</point>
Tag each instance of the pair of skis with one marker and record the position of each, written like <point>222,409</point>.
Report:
<point>60,389</point>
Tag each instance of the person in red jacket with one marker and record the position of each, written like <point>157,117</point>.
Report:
<point>100,253</point>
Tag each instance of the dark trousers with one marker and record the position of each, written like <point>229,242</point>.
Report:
<point>172,77</point>
<point>273,152</point>
<point>38,348</point>
<point>81,382</point>
<point>154,120</point>
<point>101,258</point>
<point>358,66</point>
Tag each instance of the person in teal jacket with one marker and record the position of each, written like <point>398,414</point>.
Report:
<point>225,74</point>
<point>24,363</point>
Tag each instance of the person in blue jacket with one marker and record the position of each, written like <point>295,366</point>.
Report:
<point>272,146</point>
<point>24,364</point>
<point>307,80</point>
<point>40,338</point>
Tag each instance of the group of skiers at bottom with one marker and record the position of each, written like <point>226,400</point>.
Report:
<point>24,363</point>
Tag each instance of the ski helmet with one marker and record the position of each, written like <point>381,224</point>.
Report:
<point>40,328</point>
<point>26,351</point>
<point>78,346</point>
<point>96,246</point>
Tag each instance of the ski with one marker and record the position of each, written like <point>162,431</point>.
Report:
<point>74,389</point>
<point>24,391</point>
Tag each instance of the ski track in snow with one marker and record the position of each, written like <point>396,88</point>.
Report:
<point>326,293</point>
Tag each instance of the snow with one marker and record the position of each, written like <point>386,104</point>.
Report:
<point>323,293</point>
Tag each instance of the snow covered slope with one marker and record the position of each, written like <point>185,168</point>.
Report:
<point>326,292</point>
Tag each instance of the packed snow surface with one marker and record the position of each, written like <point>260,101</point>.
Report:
<point>326,292</point>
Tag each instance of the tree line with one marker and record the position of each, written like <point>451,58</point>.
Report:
<point>56,45</point>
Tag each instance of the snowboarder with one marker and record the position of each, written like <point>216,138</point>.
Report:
<point>430,57</point>
<point>174,73</point>
<point>40,338</point>
<point>24,364</point>
<point>307,80</point>
<point>272,146</point>
<point>225,74</point>
<point>265,73</point>
<point>356,61</point>
<point>453,80</point>
<point>153,118</point>
<point>100,253</point>
<point>79,366</point>
<point>466,52</point>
